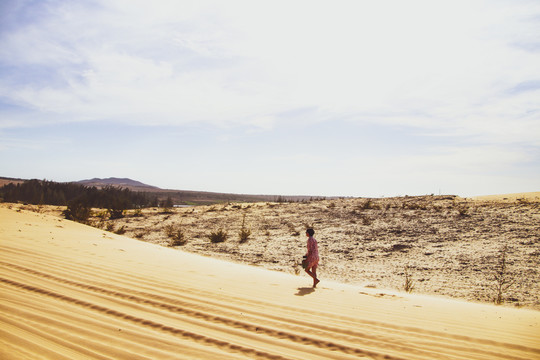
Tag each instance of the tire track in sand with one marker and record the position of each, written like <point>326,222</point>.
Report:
<point>148,323</point>
<point>167,305</point>
<point>326,345</point>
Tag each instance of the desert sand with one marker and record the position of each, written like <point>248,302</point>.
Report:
<point>71,291</point>
<point>528,196</point>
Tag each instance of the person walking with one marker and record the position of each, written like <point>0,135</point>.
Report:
<point>312,256</point>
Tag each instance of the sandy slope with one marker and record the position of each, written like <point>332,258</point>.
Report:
<point>68,291</point>
<point>528,196</point>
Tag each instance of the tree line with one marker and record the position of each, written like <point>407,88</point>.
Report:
<point>43,192</point>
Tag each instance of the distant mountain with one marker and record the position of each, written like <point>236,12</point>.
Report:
<point>119,182</point>
<point>179,197</point>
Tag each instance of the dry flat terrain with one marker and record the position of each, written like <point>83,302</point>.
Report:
<point>447,245</point>
<point>70,291</point>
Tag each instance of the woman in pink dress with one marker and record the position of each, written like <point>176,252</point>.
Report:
<point>312,256</point>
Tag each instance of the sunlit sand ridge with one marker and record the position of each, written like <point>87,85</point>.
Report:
<point>70,291</point>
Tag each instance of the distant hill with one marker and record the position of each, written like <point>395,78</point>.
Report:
<point>6,180</point>
<point>119,182</point>
<point>177,197</point>
<point>182,197</point>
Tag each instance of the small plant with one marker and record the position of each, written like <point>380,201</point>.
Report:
<point>137,213</point>
<point>110,227</point>
<point>244,233</point>
<point>141,233</point>
<point>116,214</point>
<point>218,236</point>
<point>463,211</point>
<point>366,220</point>
<point>176,234</point>
<point>503,279</point>
<point>102,215</point>
<point>121,231</point>
<point>408,284</point>
<point>368,204</point>
<point>166,211</point>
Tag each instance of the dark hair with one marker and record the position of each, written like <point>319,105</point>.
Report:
<point>311,232</point>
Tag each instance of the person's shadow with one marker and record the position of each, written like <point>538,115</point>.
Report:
<point>304,291</point>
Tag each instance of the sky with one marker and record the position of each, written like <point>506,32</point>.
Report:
<point>326,98</point>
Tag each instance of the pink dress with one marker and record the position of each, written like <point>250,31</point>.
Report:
<point>312,256</point>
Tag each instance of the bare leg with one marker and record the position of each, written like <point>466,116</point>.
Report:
<point>313,274</point>
<point>315,280</point>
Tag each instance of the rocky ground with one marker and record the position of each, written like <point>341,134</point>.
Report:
<point>442,245</point>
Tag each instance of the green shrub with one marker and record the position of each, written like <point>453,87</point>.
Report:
<point>244,233</point>
<point>116,214</point>
<point>218,236</point>
<point>176,234</point>
<point>77,211</point>
<point>408,283</point>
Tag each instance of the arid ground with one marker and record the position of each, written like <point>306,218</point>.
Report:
<point>444,245</point>
<point>72,291</point>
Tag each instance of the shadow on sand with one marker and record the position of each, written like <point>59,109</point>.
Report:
<point>304,291</point>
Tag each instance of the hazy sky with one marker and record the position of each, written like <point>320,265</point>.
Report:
<point>351,98</point>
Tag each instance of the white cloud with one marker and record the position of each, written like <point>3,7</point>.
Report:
<point>183,61</point>
<point>462,69</point>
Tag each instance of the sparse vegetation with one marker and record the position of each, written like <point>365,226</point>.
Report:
<point>115,214</point>
<point>408,283</point>
<point>502,277</point>
<point>176,235</point>
<point>110,226</point>
<point>244,232</point>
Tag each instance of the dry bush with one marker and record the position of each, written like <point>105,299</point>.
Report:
<point>121,230</point>
<point>408,284</point>
<point>176,235</point>
<point>502,277</point>
<point>116,214</point>
<point>139,234</point>
<point>244,233</point>
<point>369,204</point>
<point>218,236</point>
<point>137,213</point>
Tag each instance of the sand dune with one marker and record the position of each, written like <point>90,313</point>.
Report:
<point>527,196</point>
<point>69,291</point>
